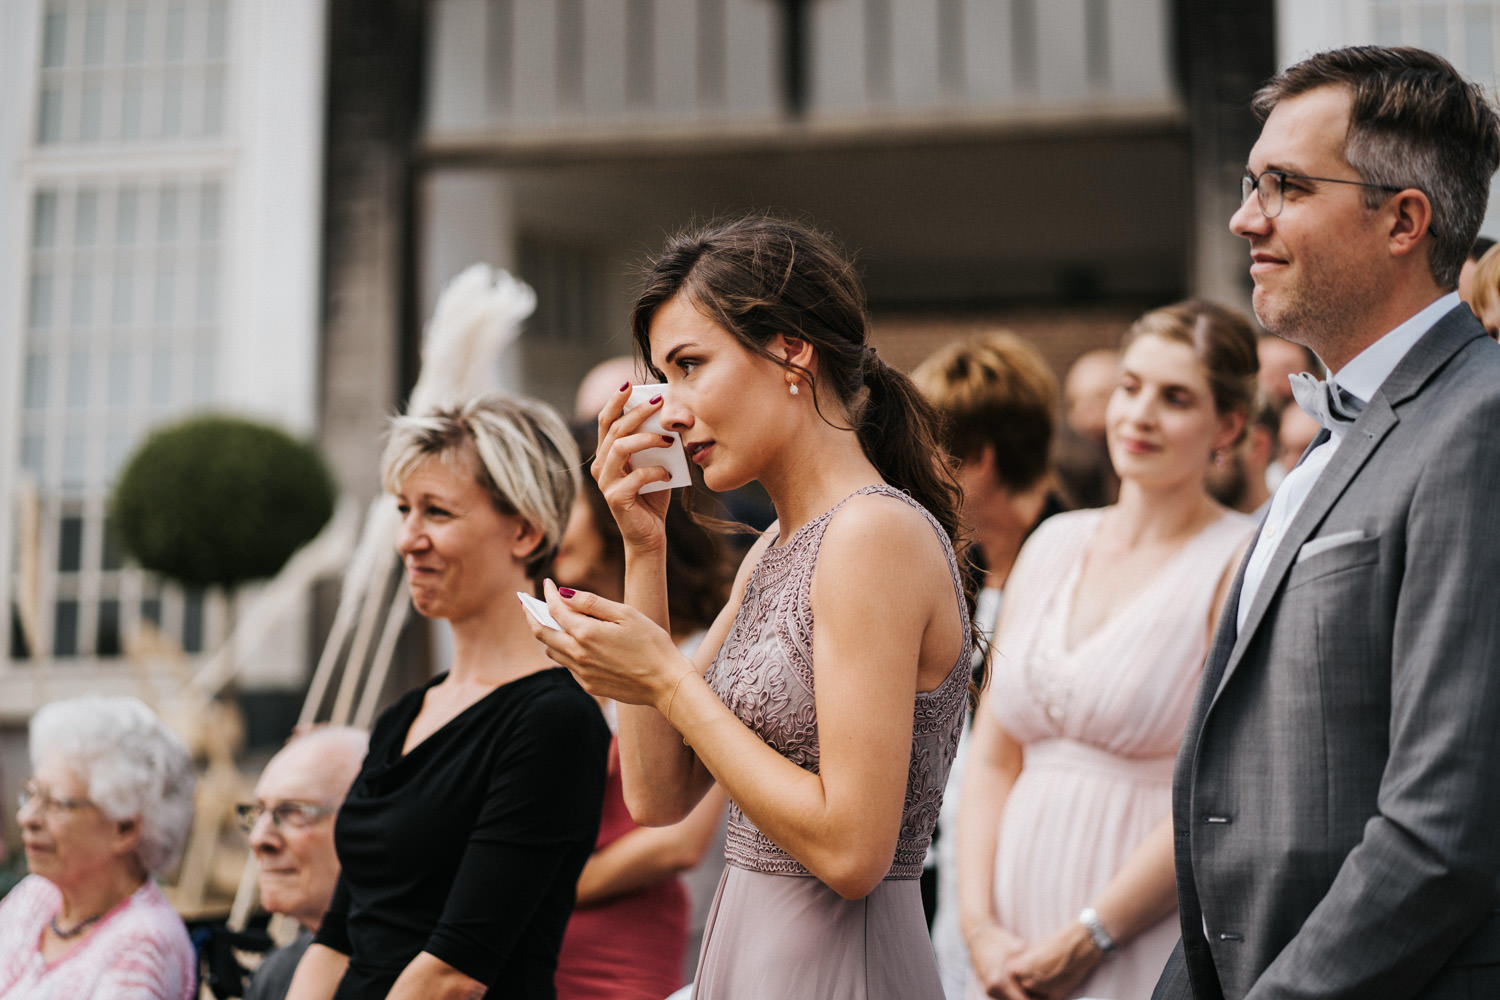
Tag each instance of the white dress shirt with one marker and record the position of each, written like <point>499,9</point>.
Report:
<point>1363,377</point>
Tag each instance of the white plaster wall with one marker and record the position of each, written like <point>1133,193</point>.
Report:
<point>269,357</point>
<point>466,218</point>
<point>19,27</point>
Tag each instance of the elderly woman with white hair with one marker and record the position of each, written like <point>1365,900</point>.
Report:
<point>478,803</point>
<point>107,807</point>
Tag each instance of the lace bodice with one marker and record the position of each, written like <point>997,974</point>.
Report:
<point>764,673</point>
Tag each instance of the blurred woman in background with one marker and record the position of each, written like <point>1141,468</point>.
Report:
<point>108,806</point>
<point>1065,835</point>
<point>997,397</point>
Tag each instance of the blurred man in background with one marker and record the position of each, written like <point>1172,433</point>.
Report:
<point>291,832</point>
<point>1238,477</point>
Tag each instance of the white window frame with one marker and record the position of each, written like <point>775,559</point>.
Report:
<point>269,162</point>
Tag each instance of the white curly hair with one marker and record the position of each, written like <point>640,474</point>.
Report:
<point>133,765</point>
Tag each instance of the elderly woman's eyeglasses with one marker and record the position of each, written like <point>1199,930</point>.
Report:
<point>1270,188</point>
<point>50,805</point>
<point>291,813</point>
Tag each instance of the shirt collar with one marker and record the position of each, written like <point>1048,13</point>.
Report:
<point>1364,375</point>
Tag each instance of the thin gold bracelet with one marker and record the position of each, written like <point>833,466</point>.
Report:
<point>668,713</point>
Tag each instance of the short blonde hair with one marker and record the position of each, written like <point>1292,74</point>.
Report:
<point>1484,293</point>
<point>527,461</point>
<point>997,390</point>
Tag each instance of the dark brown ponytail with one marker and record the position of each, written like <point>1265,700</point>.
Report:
<point>760,276</point>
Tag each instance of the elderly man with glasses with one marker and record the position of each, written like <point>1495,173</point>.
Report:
<point>290,824</point>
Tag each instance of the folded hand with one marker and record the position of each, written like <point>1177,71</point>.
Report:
<point>1053,968</point>
<point>990,949</point>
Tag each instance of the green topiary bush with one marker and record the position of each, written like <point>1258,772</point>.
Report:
<point>217,500</point>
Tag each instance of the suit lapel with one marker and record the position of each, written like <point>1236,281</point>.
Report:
<point>1356,448</point>
<point>1222,643</point>
<point>1426,357</point>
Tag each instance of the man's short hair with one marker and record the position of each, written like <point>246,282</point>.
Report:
<point>1413,122</point>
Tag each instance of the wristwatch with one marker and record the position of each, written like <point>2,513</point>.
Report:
<point>1090,920</point>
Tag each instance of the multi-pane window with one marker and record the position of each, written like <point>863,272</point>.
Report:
<point>132,71</point>
<point>121,323</point>
<point>122,312</point>
<point>1467,32</point>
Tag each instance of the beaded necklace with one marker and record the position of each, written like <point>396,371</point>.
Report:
<point>76,929</point>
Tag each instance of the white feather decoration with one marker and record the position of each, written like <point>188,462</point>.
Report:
<point>478,315</point>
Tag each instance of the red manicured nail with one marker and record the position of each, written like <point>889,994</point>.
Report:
<point>667,438</point>
<point>654,400</point>
<point>566,591</point>
<point>625,386</point>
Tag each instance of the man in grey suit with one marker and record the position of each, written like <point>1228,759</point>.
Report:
<point>1336,805</point>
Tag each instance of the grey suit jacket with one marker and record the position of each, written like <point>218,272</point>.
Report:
<point>1336,802</point>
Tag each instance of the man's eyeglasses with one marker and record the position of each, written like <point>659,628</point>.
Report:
<point>291,813</point>
<point>50,805</point>
<point>1270,188</point>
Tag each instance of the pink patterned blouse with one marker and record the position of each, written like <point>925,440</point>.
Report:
<point>138,951</point>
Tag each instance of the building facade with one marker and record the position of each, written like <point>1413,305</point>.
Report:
<point>251,205</point>
<point>159,255</point>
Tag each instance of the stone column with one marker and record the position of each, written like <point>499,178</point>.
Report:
<point>370,328</point>
<point>374,106</point>
<point>1224,52</point>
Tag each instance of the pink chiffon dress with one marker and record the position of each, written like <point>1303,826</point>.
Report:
<point>1099,723</point>
<point>775,930</point>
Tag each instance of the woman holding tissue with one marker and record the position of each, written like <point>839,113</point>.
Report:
<point>826,698</point>
<point>462,839</point>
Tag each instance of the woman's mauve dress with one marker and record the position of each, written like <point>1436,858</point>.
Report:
<point>776,930</point>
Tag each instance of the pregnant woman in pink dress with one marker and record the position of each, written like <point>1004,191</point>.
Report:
<point>1065,851</point>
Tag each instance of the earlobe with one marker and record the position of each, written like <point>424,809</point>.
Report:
<point>128,833</point>
<point>794,351</point>
<point>1229,431</point>
<point>1412,220</point>
<point>528,536</point>
<point>987,463</point>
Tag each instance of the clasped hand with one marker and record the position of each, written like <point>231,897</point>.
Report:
<point>614,650</point>
<point>1010,969</point>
